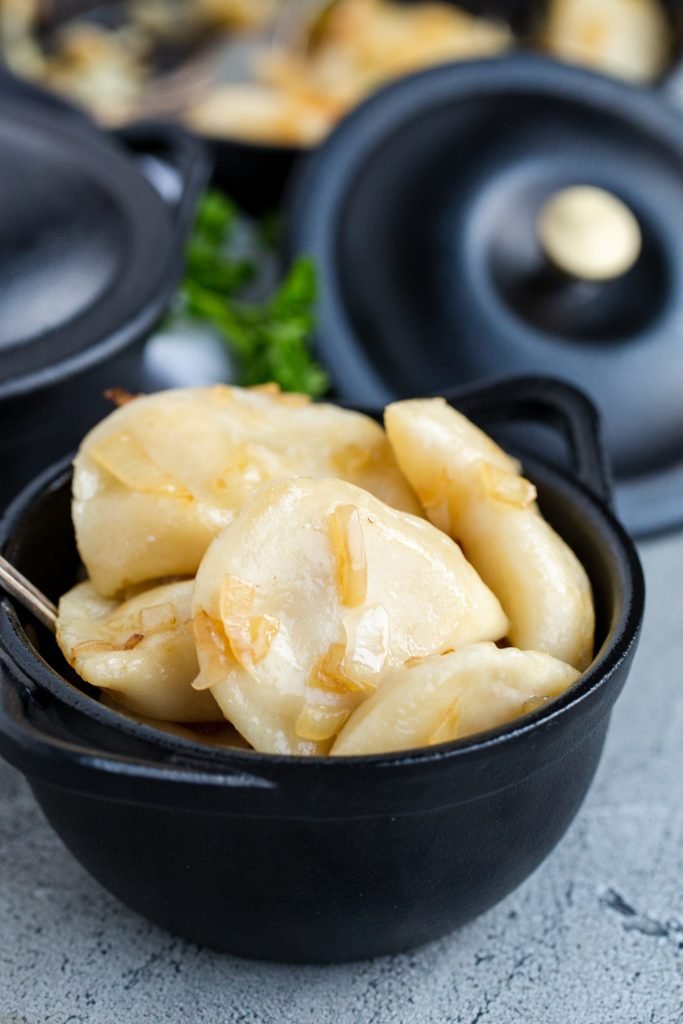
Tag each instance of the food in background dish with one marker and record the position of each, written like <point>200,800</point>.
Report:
<point>237,75</point>
<point>108,62</point>
<point>357,46</point>
<point>103,70</point>
<point>261,113</point>
<point>162,475</point>
<point>19,48</point>
<point>312,595</point>
<point>245,14</point>
<point>473,491</point>
<point>325,617</point>
<point>448,696</point>
<point>626,38</point>
<point>141,651</point>
<point>288,96</point>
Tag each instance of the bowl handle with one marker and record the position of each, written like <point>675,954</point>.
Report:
<point>67,764</point>
<point>175,163</point>
<point>548,401</point>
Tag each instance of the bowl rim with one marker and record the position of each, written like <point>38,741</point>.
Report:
<point>620,639</point>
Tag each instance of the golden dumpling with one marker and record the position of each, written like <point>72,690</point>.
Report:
<point>628,38</point>
<point>311,595</point>
<point>475,492</point>
<point>140,652</point>
<point>447,697</point>
<point>161,476</point>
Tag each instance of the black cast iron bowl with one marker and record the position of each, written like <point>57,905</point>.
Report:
<point>319,860</point>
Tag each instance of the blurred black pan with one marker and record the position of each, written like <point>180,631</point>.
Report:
<point>91,250</point>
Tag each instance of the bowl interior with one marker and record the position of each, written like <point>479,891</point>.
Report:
<point>42,546</point>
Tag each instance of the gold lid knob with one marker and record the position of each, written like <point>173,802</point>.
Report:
<point>589,233</point>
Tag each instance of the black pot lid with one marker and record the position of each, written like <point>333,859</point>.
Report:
<point>89,249</point>
<point>422,212</point>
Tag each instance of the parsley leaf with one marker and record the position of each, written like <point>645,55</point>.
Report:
<point>271,338</point>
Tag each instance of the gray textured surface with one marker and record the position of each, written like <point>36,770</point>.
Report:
<point>595,936</point>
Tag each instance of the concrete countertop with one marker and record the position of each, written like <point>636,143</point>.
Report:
<point>594,937</point>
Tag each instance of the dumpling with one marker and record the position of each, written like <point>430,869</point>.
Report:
<point>311,595</point>
<point>629,38</point>
<point>161,476</point>
<point>141,652</point>
<point>445,698</point>
<point>475,492</point>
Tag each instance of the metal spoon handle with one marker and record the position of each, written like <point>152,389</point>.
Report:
<point>24,591</point>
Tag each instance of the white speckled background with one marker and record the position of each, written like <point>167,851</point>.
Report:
<point>594,937</point>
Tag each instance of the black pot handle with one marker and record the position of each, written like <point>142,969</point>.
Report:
<point>73,765</point>
<point>175,162</point>
<point>552,402</point>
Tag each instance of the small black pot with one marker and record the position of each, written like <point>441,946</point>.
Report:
<point>299,859</point>
<point>91,251</point>
<point>420,212</point>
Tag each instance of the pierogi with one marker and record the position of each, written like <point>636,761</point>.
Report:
<point>332,611</point>
<point>473,491</point>
<point>314,592</point>
<point>628,38</point>
<point>162,475</point>
<point>141,652</point>
<point>448,697</point>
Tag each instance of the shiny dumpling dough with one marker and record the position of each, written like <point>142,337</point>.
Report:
<point>315,591</point>
<point>443,698</point>
<point>474,492</point>
<point>161,476</point>
<point>630,38</point>
<point>141,652</point>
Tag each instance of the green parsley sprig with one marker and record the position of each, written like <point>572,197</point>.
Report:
<point>271,339</point>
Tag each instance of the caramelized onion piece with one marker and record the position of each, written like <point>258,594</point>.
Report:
<point>367,639</point>
<point>333,674</point>
<point>320,723</point>
<point>119,396</point>
<point>249,637</point>
<point>123,457</point>
<point>346,538</point>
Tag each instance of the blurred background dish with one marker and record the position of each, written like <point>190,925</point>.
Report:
<point>91,250</point>
<point>282,72</point>
<point>416,267</point>
<point>421,213</point>
<point>265,81</point>
<point>277,73</point>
